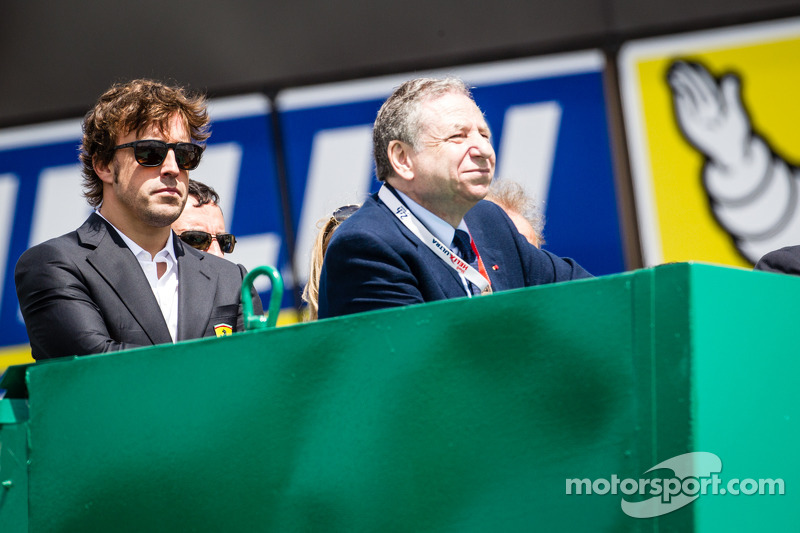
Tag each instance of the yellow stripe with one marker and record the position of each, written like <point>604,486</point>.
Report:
<point>21,354</point>
<point>14,355</point>
<point>288,316</point>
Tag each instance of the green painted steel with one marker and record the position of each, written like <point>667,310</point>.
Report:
<point>13,465</point>
<point>466,415</point>
<point>251,320</point>
<point>745,393</point>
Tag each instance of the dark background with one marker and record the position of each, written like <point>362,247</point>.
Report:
<point>57,57</point>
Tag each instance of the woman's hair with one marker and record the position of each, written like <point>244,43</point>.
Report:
<point>327,226</point>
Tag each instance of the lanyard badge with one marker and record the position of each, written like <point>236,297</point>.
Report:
<point>479,279</point>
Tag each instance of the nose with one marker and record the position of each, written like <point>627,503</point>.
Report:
<point>170,164</point>
<point>482,147</point>
<point>215,249</point>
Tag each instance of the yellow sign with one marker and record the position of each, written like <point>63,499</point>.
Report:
<point>713,126</point>
<point>14,355</point>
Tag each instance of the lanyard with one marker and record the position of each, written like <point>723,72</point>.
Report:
<point>440,249</point>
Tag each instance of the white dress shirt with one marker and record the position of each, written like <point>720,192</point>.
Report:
<point>165,288</point>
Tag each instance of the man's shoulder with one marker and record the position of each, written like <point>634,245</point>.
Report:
<point>372,222</point>
<point>370,209</point>
<point>64,245</point>
<point>488,218</point>
<point>89,234</point>
<point>484,209</point>
<point>784,260</point>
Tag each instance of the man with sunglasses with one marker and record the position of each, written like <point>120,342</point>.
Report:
<point>123,279</point>
<point>428,234</point>
<point>201,224</point>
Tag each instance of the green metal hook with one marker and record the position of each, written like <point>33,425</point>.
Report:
<point>251,320</point>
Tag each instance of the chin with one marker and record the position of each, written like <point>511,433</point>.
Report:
<point>481,191</point>
<point>163,217</point>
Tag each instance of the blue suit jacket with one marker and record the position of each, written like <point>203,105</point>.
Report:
<point>374,261</point>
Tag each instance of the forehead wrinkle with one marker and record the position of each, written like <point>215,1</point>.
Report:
<point>432,134</point>
<point>439,119</point>
<point>459,125</point>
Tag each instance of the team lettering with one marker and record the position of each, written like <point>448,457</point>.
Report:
<point>444,248</point>
<point>461,266</point>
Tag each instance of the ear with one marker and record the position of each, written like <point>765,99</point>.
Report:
<point>401,158</point>
<point>103,170</point>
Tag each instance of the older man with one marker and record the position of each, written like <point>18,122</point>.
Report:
<point>520,208</point>
<point>122,280</point>
<point>427,235</point>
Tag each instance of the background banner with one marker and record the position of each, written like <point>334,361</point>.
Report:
<point>712,119</point>
<point>550,130</point>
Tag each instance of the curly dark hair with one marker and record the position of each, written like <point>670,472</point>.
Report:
<point>204,194</point>
<point>134,106</point>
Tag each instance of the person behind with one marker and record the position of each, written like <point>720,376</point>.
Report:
<point>427,234</point>
<point>201,224</point>
<point>785,260</point>
<point>122,280</point>
<point>520,208</point>
<point>327,226</point>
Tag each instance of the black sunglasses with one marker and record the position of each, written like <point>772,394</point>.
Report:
<point>151,153</point>
<point>202,240</point>
<point>344,212</point>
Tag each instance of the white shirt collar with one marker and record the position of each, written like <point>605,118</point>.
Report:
<point>168,250</point>
<point>165,288</point>
<point>439,228</point>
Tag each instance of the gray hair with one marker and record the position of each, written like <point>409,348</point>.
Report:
<point>399,116</point>
<point>511,196</point>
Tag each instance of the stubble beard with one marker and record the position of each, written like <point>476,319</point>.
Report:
<point>159,218</point>
<point>156,215</point>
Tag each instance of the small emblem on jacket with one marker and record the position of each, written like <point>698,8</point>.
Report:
<point>223,330</point>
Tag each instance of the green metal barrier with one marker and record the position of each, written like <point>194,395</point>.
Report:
<point>387,421</point>
<point>255,321</point>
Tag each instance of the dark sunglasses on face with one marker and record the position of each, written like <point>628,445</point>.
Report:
<point>202,240</point>
<point>151,153</point>
<point>344,212</point>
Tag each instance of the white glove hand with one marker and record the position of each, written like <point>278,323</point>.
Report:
<point>711,116</point>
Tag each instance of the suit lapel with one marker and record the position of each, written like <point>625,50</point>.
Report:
<point>196,291</point>
<point>434,262</point>
<point>488,252</point>
<point>113,260</point>
<point>488,237</point>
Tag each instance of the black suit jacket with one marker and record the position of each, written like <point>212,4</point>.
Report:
<point>783,261</point>
<point>85,293</point>
<point>373,261</point>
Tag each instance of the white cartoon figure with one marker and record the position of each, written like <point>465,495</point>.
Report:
<point>753,192</point>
